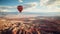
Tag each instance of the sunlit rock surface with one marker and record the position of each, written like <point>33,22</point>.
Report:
<point>31,25</point>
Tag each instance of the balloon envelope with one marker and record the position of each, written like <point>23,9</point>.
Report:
<point>20,8</point>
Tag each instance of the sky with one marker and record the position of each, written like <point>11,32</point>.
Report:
<point>31,6</point>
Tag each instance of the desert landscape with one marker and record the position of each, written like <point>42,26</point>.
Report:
<point>30,25</point>
<point>29,16</point>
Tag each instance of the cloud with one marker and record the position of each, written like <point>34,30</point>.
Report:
<point>45,6</point>
<point>14,8</point>
<point>49,3</point>
<point>46,2</point>
<point>46,10</point>
<point>7,8</point>
<point>42,8</point>
<point>30,5</point>
<point>20,1</point>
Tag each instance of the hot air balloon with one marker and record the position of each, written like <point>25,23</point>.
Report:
<point>20,8</point>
